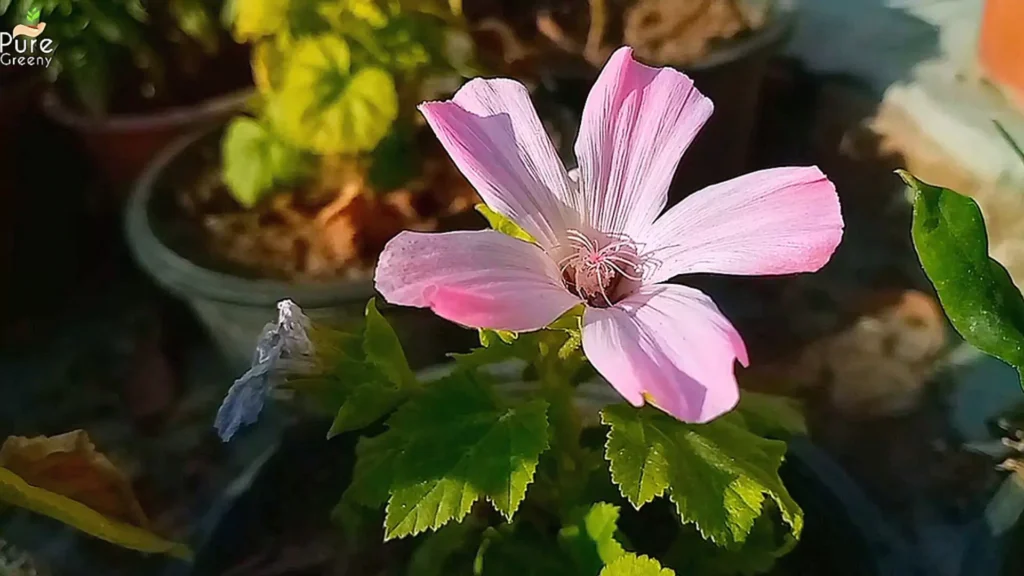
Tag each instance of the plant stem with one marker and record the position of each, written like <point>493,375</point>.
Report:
<point>567,424</point>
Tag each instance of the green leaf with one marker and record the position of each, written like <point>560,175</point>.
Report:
<point>717,474</point>
<point>255,161</point>
<point>976,292</point>
<point>503,224</point>
<point>326,106</point>
<point>772,415</point>
<point>458,444</point>
<point>14,490</point>
<point>590,540</point>
<point>379,377</point>
<point>367,403</point>
<point>383,349</point>
<point>633,565</point>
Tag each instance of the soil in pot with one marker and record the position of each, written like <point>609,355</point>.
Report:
<point>315,244</point>
<point>331,228</point>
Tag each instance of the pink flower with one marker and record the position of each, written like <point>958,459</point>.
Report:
<point>599,237</point>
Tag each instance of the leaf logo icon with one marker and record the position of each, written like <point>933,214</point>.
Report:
<point>32,16</point>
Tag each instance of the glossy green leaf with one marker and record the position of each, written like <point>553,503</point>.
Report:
<point>459,444</point>
<point>590,540</point>
<point>502,224</point>
<point>15,491</point>
<point>633,565</point>
<point>327,106</point>
<point>976,292</point>
<point>717,474</point>
<point>255,161</point>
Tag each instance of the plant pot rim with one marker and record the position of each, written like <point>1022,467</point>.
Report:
<point>190,280</point>
<point>781,21</point>
<point>210,109</point>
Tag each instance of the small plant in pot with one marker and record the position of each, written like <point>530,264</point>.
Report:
<point>298,195</point>
<point>128,77</point>
<point>520,457</point>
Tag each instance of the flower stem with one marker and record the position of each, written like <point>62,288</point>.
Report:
<point>564,417</point>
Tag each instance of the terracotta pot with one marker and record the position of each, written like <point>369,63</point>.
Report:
<point>122,146</point>
<point>1002,47</point>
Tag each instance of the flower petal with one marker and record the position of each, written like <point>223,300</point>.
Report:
<point>668,345</point>
<point>637,122</point>
<point>482,279</point>
<point>494,136</point>
<point>776,221</point>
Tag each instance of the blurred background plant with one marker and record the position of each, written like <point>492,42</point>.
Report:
<point>338,83</point>
<point>98,41</point>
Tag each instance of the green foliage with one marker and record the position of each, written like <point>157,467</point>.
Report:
<point>452,443</point>
<point>255,160</point>
<point>339,77</point>
<point>633,565</point>
<point>976,292</point>
<point>379,376</point>
<point>502,224</point>
<point>446,448</point>
<point>717,474</point>
<point>94,37</point>
<point>590,539</point>
<point>328,107</point>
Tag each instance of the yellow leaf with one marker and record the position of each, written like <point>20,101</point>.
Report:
<point>255,19</point>
<point>65,478</point>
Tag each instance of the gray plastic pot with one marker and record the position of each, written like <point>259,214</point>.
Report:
<point>233,308</point>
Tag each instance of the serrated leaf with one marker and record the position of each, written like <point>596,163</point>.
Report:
<point>976,292</point>
<point>383,349</point>
<point>255,161</point>
<point>65,478</point>
<point>633,565</point>
<point>772,415</point>
<point>590,540</point>
<point>717,474</point>
<point>502,224</point>
<point>326,106</point>
<point>459,445</point>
